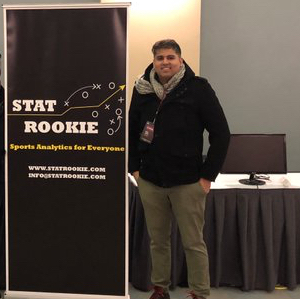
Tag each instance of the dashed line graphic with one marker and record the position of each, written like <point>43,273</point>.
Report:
<point>94,86</point>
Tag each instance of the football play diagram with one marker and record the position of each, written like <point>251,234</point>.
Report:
<point>111,105</point>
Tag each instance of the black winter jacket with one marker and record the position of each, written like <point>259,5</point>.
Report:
<point>175,155</point>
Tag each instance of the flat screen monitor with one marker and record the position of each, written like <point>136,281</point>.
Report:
<point>255,154</point>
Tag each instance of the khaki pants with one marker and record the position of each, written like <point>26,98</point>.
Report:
<point>187,202</point>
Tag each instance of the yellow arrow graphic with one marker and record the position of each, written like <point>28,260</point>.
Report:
<point>121,87</point>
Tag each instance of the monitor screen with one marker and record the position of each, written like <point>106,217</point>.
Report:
<point>256,153</point>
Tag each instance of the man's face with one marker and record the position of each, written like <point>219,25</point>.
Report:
<point>166,64</point>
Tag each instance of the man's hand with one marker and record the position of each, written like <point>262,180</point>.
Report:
<point>205,184</point>
<point>136,175</point>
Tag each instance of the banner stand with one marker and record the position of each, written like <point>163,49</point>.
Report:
<point>35,295</point>
<point>66,70</point>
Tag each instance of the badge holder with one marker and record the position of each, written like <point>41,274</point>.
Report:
<point>147,134</point>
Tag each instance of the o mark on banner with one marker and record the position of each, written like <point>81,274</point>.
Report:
<point>110,131</point>
<point>111,85</point>
<point>95,114</point>
<point>118,111</point>
<point>85,94</point>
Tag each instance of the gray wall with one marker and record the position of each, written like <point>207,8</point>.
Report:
<point>250,52</point>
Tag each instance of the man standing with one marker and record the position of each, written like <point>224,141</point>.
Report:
<point>170,109</point>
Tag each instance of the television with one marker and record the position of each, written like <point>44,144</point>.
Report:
<point>255,154</point>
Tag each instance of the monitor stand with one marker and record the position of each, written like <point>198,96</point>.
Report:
<point>252,180</point>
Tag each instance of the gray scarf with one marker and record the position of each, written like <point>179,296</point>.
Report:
<point>144,87</point>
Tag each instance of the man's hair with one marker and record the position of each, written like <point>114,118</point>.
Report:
<point>166,44</point>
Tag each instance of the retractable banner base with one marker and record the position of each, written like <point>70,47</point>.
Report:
<point>29,295</point>
<point>66,174</point>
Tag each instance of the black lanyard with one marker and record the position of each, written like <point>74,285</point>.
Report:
<point>158,108</point>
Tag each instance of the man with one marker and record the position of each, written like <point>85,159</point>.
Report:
<point>169,111</point>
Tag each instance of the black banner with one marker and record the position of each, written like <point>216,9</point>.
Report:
<point>66,105</point>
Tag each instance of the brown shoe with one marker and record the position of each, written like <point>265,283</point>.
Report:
<point>160,293</point>
<point>194,296</point>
